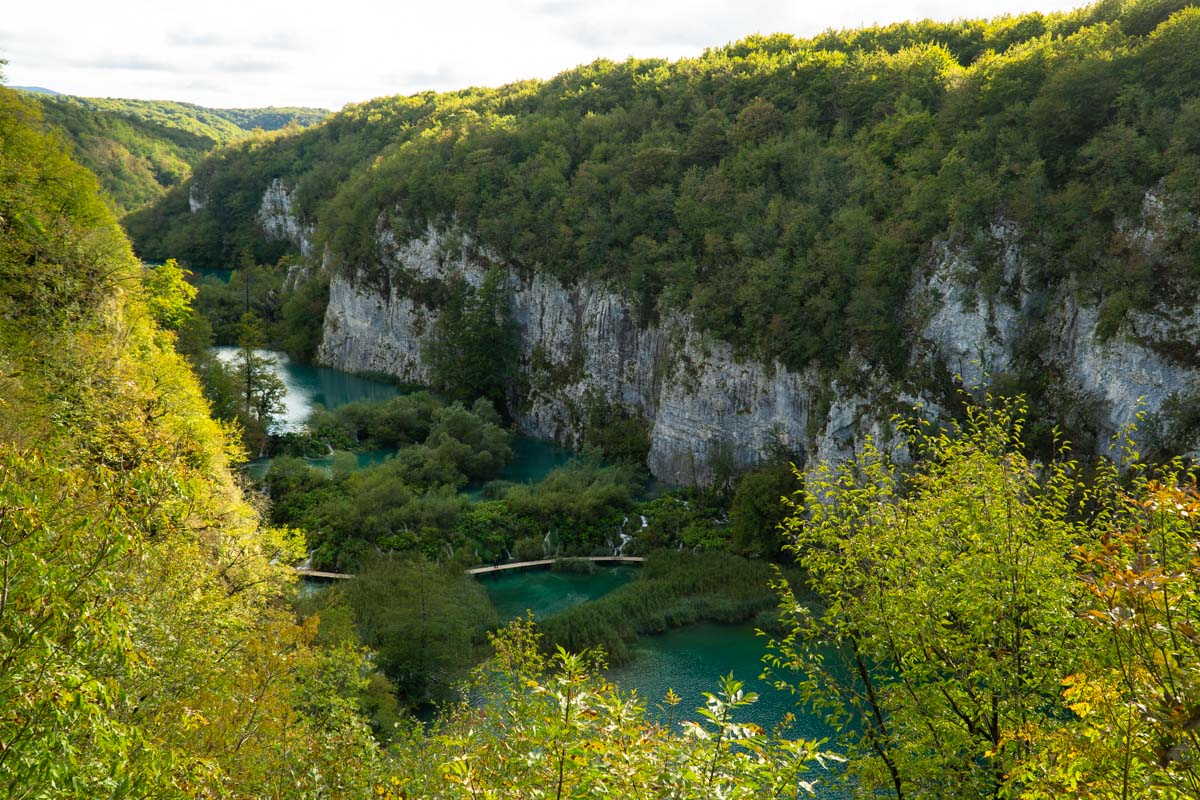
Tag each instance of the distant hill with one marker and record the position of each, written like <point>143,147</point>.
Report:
<point>141,148</point>
<point>34,89</point>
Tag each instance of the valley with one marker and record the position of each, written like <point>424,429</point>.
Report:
<point>872,352</point>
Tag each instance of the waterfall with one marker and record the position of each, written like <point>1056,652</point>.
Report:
<point>619,550</point>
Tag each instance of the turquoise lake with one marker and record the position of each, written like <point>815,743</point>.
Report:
<point>687,660</point>
<point>545,592</point>
<point>309,386</point>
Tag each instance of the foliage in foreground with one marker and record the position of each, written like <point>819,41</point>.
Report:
<point>538,727</point>
<point>992,626</point>
<point>145,650</point>
<point>1137,702</point>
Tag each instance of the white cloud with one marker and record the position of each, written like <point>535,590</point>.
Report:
<point>302,52</point>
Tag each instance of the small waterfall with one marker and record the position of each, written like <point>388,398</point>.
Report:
<point>546,545</point>
<point>619,550</point>
<point>644,523</point>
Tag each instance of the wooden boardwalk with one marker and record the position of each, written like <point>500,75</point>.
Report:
<point>545,562</point>
<point>315,573</point>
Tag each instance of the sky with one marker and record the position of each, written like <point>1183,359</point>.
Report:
<point>250,53</point>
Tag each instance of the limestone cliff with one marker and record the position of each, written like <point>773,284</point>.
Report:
<point>583,344</point>
<point>1112,378</point>
<point>701,402</point>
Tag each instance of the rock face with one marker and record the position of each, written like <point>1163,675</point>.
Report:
<point>1113,377</point>
<point>972,336</point>
<point>706,410</point>
<point>279,220</point>
<point>580,346</point>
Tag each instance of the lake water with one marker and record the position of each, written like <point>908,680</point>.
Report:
<point>691,660</point>
<point>308,386</point>
<point>223,275</point>
<point>545,592</point>
<point>687,660</point>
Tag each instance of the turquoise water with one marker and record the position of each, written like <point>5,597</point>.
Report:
<point>688,660</point>
<point>545,592</point>
<point>308,386</point>
<point>223,275</point>
<point>533,460</point>
<point>691,660</point>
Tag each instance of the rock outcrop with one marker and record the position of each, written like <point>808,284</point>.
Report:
<point>1152,357</point>
<point>279,220</point>
<point>707,409</point>
<point>582,345</point>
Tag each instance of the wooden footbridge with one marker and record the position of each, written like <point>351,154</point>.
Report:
<point>316,573</point>
<point>548,562</point>
<point>544,562</point>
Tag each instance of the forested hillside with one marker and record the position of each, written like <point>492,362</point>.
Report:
<point>140,148</point>
<point>145,646</point>
<point>781,190</point>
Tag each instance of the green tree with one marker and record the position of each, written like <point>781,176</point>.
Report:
<point>262,390</point>
<point>948,603</point>
<point>1132,730</point>
<point>758,508</point>
<point>168,294</point>
<point>472,348</point>
<point>426,621</point>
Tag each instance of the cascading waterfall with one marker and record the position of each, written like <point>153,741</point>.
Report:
<point>619,550</point>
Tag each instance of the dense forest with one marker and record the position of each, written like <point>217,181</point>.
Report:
<point>140,148</point>
<point>970,620</point>
<point>781,190</point>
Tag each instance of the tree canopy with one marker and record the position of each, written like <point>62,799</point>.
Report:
<point>781,190</point>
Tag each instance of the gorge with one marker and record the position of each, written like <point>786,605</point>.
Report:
<point>883,341</point>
